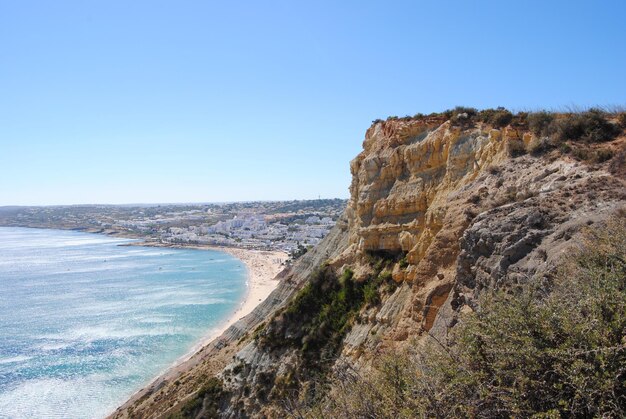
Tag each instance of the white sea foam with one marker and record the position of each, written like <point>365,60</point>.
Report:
<point>84,333</point>
<point>154,320</point>
<point>57,398</point>
<point>52,346</point>
<point>14,359</point>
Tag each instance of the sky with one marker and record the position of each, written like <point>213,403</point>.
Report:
<point>203,101</point>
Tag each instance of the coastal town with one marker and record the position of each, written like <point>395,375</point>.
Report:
<point>287,226</point>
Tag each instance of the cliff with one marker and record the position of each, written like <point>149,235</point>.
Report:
<point>442,209</point>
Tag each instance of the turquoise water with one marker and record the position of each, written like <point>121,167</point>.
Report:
<point>84,323</point>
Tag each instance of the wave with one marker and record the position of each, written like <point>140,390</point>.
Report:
<point>82,340</point>
<point>15,359</point>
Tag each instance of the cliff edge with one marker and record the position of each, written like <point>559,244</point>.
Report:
<point>443,208</point>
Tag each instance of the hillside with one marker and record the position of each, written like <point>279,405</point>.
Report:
<point>444,209</point>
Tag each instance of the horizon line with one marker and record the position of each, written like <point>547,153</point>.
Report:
<point>145,204</point>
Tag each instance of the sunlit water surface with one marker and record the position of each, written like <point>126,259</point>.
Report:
<point>84,322</point>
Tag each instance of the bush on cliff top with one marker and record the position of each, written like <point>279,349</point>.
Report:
<point>542,350</point>
<point>540,123</point>
<point>621,119</point>
<point>551,130</point>
<point>498,118</point>
<point>592,125</point>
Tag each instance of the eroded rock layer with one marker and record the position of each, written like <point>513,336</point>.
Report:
<point>442,210</point>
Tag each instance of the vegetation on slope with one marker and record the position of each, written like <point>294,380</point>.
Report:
<point>324,310</point>
<point>542,350</point>
<point>314,323</point>
<point>204,403</point>
<point>318,318</point>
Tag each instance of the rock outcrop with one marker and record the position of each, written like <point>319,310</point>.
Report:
<point>445,211</point>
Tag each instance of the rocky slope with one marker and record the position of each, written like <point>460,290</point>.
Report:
<point>441,209</point>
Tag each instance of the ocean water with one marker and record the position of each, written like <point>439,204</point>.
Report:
<point>84,323</point>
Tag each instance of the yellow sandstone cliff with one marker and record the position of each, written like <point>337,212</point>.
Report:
<point>446,207</point>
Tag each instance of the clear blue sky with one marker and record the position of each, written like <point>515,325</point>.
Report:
<point>194,101</point>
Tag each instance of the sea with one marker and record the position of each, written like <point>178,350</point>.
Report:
<point>85,322</point>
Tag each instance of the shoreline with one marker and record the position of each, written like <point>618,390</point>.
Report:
<point>262,267</point>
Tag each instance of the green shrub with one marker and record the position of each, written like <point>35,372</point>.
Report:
<point>466,110</point>
<point>384,276</point>
<point>543,349</point>
<point>499,117</point>
<point>520,119</point>
<point>494,169</point>
<point>318,317</point>
<point>565,148</point>
<point>206,400</point>
<point>530,353</point>
<point>593,156</point>
<point>540,123</point>
<point>581,153</point>
<point>461,115</point>
<point>324,310</point>
<point>515,147</point>
<point>403,262</point>
<point>602,155</point>
<point>621,119</point>
<point>371,295</point>
<point>538,145</point>
<point>591,126</point>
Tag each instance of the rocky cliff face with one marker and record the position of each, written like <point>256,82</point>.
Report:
<point>467,216</point>
<point>439,212</point>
